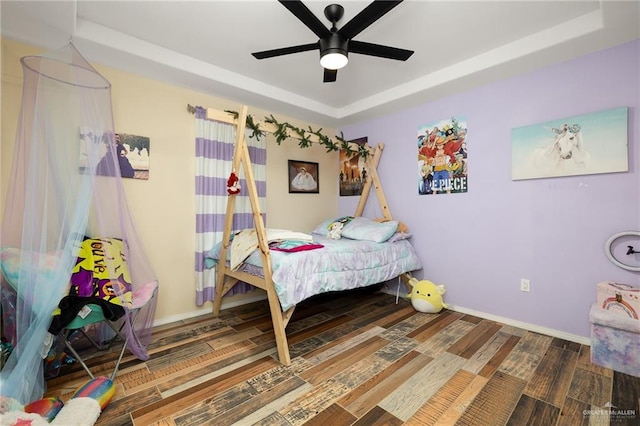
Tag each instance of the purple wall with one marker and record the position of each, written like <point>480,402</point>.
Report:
<point>551,231</point>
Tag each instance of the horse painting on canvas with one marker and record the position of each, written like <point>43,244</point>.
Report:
<point>565,152</point>
<point>572,146</point>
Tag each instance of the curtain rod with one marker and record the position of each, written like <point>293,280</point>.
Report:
<point>191,108</point>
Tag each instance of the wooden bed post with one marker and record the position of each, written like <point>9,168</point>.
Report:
<point>241,158</point>
<point>372,164</point>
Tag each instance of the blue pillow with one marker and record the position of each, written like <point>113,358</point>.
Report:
<point>399,236</point>
<point>323,228</point>
<point>360,228</point>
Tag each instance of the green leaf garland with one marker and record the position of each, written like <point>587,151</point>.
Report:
<point>283,130</point>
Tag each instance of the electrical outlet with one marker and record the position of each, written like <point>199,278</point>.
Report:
<point>525,284</point>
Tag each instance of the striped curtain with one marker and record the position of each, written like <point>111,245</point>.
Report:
<point>215,143</point>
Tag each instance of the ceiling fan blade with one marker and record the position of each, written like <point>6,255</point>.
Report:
<point>306,17</point>
<point>366,17</point>
<point>329,75</point>
<point>371,49</point>
<point>285,50</point>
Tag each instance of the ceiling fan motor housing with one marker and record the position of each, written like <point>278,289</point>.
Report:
<point>336,43</point>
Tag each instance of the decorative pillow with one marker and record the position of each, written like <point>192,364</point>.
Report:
<point>399,236</point>
<point>360,228</point>
<point>401,226</point>
<point>324,227</point>
<point>101,271</point>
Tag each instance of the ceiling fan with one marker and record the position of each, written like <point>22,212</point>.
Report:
<point>336,44</point>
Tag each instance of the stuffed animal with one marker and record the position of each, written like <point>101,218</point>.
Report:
<point>233,184</point>
<point>335,231</point>
<point>83,409</point>
<point>426,296</point>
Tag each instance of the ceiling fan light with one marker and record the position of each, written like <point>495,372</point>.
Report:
<point>334,60</point>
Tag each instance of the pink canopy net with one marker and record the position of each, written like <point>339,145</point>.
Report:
<point>67,230</point>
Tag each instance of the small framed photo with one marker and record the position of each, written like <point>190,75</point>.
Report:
<point>303,177</point>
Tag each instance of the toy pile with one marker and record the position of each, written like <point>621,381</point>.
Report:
<point>615,327</point>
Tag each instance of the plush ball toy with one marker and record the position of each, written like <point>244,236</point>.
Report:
<point>233,184</point>
<point>335,232</point>
<point>426,296</point>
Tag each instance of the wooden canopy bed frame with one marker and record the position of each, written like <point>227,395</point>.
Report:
<point>226,278</point>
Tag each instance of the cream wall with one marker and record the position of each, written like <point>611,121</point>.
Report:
<point>164,205</point>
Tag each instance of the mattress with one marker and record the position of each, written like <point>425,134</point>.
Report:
<point>338,265</point>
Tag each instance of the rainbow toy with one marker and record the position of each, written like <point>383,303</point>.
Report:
<point>83,409</point>
<point>46,407</point>
<point>101,389</point>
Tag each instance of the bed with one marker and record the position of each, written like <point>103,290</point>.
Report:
<point>321,264</point>
<point>370,252</point>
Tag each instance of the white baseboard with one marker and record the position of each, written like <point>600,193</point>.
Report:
<point>187,315</point>
<point>207,309</point>
<point>524,325</point>
<point>508,321</point>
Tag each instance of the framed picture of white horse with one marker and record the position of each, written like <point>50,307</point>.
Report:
<point>579,145</point>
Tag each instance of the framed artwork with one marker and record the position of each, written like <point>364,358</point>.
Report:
<point>137,154</point>
<point>303,177</point>
<point>579,145</point>
<point>353,172</point>
<point>442,157</point>
<point>131,152</point>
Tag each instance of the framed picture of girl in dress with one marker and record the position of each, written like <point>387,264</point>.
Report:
<point>303,177</point>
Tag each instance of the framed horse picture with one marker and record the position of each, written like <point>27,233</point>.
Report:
<point>579,145</point>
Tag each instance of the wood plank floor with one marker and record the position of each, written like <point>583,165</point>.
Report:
<point>358,358</point>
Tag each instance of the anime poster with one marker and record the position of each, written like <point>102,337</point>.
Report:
<point>442,157</point>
